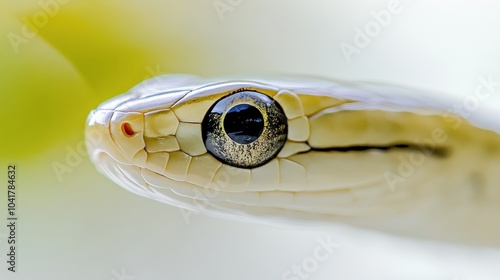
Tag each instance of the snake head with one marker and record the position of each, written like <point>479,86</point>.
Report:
<point>244,148</point>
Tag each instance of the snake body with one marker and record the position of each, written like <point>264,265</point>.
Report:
<point>376,156</point>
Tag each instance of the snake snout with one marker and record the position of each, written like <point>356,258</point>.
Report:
<point>117,134</point>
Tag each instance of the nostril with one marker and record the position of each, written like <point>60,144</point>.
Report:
<point>127,129</point>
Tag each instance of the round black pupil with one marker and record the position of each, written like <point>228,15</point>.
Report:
<point>243,123</point>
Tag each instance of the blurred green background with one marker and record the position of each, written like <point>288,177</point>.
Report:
<point>60,59</point>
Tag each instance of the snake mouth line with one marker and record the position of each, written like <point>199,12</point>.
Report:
<point>438,152</point>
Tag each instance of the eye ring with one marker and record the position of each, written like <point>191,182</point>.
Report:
<point>245,129</point>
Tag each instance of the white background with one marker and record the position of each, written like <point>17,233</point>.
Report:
<point>85,227</point>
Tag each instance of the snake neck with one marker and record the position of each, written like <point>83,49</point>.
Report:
<point>462,201</point>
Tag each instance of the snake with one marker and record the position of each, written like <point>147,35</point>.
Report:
<point>306,150</point>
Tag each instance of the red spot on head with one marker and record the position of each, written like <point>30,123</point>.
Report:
<point>127,130</point>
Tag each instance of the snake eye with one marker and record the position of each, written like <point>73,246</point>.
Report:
<point>245,129</point>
